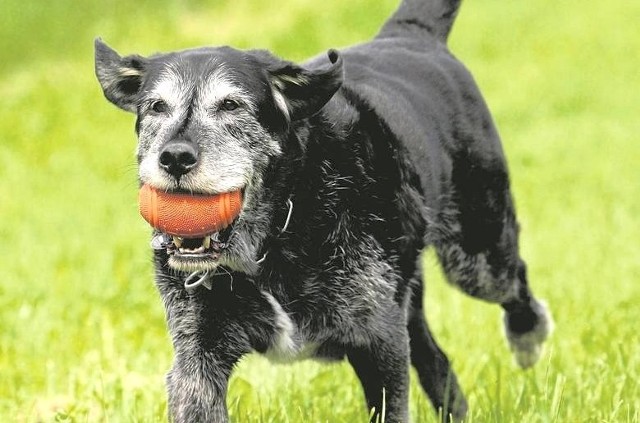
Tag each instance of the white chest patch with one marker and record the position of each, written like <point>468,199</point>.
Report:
<point>288,345</point>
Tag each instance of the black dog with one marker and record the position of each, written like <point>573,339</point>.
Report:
<point>349,168</point>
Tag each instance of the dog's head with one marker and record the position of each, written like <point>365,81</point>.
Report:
<point>213,120</point>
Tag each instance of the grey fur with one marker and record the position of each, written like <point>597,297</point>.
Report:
<point>527,347</point>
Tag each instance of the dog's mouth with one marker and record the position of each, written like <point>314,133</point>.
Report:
<point>194,254</point>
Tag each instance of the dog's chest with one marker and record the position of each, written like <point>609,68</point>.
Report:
<point>288,343</point>
<point>317,327</point>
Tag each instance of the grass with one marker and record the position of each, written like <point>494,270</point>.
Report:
<point>82,333</point>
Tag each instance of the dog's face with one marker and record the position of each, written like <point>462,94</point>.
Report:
<point>209,121</point>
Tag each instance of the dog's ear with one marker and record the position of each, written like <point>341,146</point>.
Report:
<point>305,92</point>
<point>120,77</point>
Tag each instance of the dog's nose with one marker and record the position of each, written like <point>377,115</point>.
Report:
<point>179,157</point>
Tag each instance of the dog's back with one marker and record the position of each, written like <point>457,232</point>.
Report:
<point>426,97</point>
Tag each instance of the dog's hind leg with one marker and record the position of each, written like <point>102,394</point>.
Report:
<point>480,254</point>
<point>434,371</point>
<point>527,321</point>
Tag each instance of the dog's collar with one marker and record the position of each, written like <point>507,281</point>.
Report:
<point>201,277</point>
<point>284,228</point>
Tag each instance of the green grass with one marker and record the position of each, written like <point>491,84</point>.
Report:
<point>82,333</point>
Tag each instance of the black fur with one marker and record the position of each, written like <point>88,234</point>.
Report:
<point>387,150</point>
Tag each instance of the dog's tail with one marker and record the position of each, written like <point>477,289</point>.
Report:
<point>432,17</point>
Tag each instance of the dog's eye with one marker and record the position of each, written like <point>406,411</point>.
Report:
<point>159,106</point>
<point>229,105</point>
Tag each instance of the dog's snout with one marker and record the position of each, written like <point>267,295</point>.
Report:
<point>179,157</point>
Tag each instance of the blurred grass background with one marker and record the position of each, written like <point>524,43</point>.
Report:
<point>82,332</point>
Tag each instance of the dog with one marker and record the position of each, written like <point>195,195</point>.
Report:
<point>350,164</point>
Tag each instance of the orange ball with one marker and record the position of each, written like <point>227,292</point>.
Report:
<point>188,216</point>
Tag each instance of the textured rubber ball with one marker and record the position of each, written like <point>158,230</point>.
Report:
<point>188,216</point>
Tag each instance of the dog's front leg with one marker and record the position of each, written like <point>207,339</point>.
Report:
<point>197,386</point>
<point>208,342</point>
<point>383,370</point>
<point>211,331</point>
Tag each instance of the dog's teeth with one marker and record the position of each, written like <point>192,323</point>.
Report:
<point>215,237</point>
<point>198,250</point>
<point>207,242</point>
<point>177,241</point>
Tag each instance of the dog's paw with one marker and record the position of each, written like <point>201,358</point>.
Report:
<point>526,345</point>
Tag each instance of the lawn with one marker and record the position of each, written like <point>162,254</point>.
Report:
<point>82,332</point>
